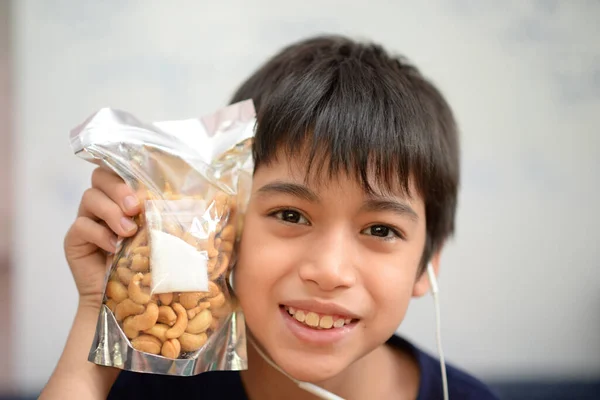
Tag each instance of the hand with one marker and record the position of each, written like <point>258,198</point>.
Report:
<point>105,212</point>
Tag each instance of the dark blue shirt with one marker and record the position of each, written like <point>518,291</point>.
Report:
<point>228,385</point>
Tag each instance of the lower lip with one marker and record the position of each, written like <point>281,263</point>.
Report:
<point>315,336</point>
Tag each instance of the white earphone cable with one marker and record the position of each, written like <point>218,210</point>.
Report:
<point>438,331</point>
<point>309,387</point>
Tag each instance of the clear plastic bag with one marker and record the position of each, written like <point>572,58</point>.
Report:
<point>167,305</point>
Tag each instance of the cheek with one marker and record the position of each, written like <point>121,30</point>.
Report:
<point>260,264</point>
<point>391,286</point>
<point>391,292</point>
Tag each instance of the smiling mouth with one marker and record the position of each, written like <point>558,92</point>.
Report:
<point>318,321</point>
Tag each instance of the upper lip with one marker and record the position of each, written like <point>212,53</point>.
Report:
<point>321,307</point>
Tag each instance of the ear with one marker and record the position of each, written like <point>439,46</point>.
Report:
<point>422,285</point>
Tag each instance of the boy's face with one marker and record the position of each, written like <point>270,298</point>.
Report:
<point>335,256</point>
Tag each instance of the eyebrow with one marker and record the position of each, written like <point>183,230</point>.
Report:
<point>376,204</point>
<point>373,203</point>
<point>288,188</point>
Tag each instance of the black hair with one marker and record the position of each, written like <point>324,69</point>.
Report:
<point>354,108</point>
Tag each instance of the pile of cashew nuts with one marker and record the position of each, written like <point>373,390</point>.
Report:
<point>172,324</point>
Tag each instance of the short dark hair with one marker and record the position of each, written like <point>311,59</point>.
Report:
<point>358,109</point>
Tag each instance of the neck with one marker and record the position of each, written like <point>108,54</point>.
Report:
<point>380,374</point>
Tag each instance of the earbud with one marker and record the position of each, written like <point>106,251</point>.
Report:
<point>230,278</point>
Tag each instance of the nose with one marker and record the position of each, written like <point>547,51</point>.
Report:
<point>329,262</point>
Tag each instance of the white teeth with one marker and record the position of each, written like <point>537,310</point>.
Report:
<point>315,320</point>
<point>338,323</point>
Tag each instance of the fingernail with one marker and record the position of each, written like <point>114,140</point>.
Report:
<point>131,202</point>
<point>128,224</point>
<point>113,243</point>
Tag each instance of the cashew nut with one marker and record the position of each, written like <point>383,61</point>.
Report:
<point>139,263</point>
<point>212,263</point>
<point>200,322</point>
<point>126,308</point>
<point>226,247</point>
<point>132,326</point>
<point>136,292</point>
<point>116,291</point>
<point>214,324</point>
<point>123,262</point>
<point>213,289</point>
<point>219,205</point>
<point>142,250</point>
<point>147,344</point>
<point>165,298</point>
<point>192,342</point>
<point>125,274</point>
<point>222,311</point>
<point>217,301</point>
<point>182,320</point>
<point>190,299</point>
<point>228,233</point>
<point>192,312</point>
<point>139,238</point>
<point>159,331</point>
<point>166,315</point>
<point>129,329</point>
<point>147,279</point>
<point>111,304</point>
<point>171,348</point>
<point>210,246</point>
<point>221,268</point>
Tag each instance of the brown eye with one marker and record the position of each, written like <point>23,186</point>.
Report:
<point>382,231</point>
<point>291,216</point>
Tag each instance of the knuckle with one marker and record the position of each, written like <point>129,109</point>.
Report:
<point>77,229</point>
<point>122,191</point>
<point>87,196</point>
<point>79,225</point>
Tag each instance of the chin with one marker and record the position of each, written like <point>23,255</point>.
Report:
<point>310,367</point>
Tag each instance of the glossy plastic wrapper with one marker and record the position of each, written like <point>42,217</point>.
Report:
<point>168,307</point>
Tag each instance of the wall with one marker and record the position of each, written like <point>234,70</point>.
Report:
<point>6,198</point>
<point>519,285</point>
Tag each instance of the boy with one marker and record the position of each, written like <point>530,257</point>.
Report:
<point>354,193</point>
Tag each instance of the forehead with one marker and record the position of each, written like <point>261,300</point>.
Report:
<point>320,179</point>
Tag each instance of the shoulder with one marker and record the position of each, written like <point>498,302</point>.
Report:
<point>461,385</point>
<point>218,384</point>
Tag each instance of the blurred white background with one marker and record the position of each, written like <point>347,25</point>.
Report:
<point>520,283</point>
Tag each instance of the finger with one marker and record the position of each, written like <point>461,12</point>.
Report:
<point>116,189</point>
<point>96,205</point>
<point>86,231</point>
